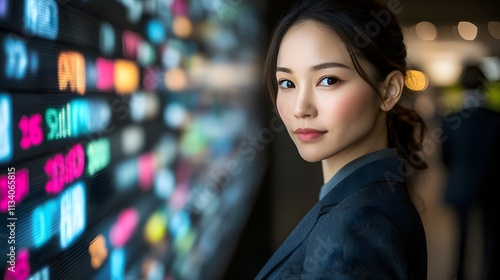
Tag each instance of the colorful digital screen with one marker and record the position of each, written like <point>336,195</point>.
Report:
<point>41,18</point>
<point>5,128</point>
<point>105,159</point>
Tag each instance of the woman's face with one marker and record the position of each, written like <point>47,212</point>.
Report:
<point>328,109</point>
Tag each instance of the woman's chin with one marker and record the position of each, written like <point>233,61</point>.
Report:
<point>310,157</point>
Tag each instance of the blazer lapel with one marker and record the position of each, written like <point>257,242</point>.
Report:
<point>291,243</point>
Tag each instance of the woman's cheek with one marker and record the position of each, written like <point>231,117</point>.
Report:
<point>281,106</point>
<point>349,106</point>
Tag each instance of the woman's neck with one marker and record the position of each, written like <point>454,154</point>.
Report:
<point>374,141</point>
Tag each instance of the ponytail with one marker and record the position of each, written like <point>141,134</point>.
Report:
<point>405,132</point>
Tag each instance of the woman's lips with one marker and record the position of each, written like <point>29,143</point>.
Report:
<point>308,134</point>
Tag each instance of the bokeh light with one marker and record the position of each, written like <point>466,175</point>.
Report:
<point>494,29</point>
<point>182,26</point>
<point>416,80</point>
<point>175,79</point>
<point>426,31</point>
<point>467,30</point>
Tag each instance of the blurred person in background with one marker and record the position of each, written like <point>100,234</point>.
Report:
<point>471,153</point>
<point>336,71</point>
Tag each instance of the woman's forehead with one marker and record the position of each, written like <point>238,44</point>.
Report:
<point>311,43</point>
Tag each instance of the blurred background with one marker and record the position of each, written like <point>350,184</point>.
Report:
<point>142,145</point>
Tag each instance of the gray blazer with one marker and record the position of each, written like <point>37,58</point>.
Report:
<point>364,228</point>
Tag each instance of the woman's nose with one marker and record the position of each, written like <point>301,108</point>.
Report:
<point>304,105</point>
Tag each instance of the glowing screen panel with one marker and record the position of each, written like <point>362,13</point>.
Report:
<point>31,129</point>
<point>22,267</point>
<point>4,5</point>
<point>14,187</point>
<point>104,156</point>
<point>41,18</point>
<point>63,169</point>
<point>98,154</point>
<point>73,214</point>
<point>117,260</point>
<point>105,74</point>
<point>107,38</point>
<point>45,221</point>
<point>5,128</point>
<point>98,251</point>
<point>71,67</point>
<point>16,52</point>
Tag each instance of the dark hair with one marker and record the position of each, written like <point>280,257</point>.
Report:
<point>371,33</point>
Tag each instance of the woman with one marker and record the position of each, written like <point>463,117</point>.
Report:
<point>335,70</point>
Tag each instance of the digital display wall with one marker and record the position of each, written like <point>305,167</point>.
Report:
<point>121,157</point>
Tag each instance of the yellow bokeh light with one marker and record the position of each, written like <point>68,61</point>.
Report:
<point>126,77</point>
<point>182,26</point>
<point>156,228</point>
<point>416,80</point>
<point>175,79</point>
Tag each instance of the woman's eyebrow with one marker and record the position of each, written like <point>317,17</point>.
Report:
<point>283,69</point>
<point>315,67</point>
<point>328,65</point>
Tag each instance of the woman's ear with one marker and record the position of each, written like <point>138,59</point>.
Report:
<point>392,90</point>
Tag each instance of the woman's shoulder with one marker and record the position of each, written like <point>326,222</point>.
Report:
<point>374,205</point>
<point>379,195</point>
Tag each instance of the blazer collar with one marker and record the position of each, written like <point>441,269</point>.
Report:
<point>390,170</point>
<point>385,170</point>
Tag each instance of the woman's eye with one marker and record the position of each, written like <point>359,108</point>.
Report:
<point>329,81</point>
<point>285,84</point>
